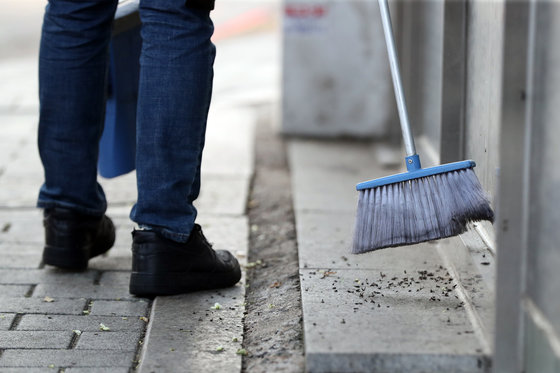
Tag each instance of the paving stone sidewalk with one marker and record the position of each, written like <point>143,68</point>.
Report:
<point>57,319</point>
<point>53,320</point>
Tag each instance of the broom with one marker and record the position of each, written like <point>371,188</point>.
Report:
<point>422,204</point>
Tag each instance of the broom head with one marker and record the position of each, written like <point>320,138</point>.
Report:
<point>420,205</point>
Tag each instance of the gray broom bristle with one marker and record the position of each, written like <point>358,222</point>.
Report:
<point>419,210</point>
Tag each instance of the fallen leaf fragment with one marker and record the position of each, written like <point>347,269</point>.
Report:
<point>275,284</point>
<point>77,332</point>
<point>51,366</point>
<point>144,318</point>
<point>104,328</point>
<point>219,348</point>
<point>242,351</point>
<point>85,312</point>
<point>234,339</point>
<point>48,299</point>
<point>216,306</point>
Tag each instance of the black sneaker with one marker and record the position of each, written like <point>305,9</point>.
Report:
<point>72,239</point>
<point>165,267</point>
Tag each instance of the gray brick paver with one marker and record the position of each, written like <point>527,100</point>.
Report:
<point>97,370</point>
<point>38,305</point>
<point>109,340</point>
<point>13,290</point>
<point>69,290</point>
<point>6,320</point>
<point>26,226</point>
<point>120,308</point>
<point>65,358</point>
<point>30,370</point>
<point>120,279</point>
<point>46,276</point>
<point>35,339</point>
<point>10,248</point>
<point>17,260</point>
<point>83,323</point>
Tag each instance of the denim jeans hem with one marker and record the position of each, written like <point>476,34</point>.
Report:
<point>166,233</point>
<point>71,206</point>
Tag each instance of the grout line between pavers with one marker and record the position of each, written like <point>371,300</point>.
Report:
<point>143,348</point>
<point>489,242</point>
<point>97,277</point>
<point>15,322</point>
<point>73,341</point>
<point>472,314</point>
<point>30,291</point>
<point>87,308</point>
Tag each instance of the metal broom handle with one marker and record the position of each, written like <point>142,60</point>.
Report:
<point>397,83</point>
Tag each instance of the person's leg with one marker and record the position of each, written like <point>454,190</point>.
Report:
<point>171,255</point>
<point>73,62</point>
<point>174,97</point>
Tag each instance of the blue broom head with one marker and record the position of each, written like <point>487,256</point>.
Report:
<point>420,205</point>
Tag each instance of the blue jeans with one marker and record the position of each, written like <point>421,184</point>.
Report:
<point>176,72</point>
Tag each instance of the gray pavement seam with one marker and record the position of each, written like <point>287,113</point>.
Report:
<point>29,292</point>
<point>142,349</point>
<point>143,338</point>
<point>468,306</point>
<point>74,340</point>
<point>87,306</point>
<point>97,277</point>
<point>273,333</point>
<point>16,321</point>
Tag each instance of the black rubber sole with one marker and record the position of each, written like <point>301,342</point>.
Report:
<point>73,259</point>
<point>149,284</point>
